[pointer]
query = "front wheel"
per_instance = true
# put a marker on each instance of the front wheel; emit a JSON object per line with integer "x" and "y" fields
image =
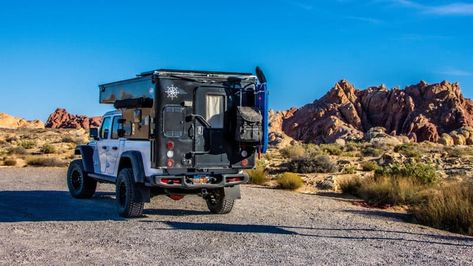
{"x": 218, "y": 203}
{"x": 80, "y": 185}
{"x": 128, "y": 202}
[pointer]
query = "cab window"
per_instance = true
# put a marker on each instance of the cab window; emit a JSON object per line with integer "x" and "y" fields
{"x": 105, "y": 129}
{"x": 115, "y": 126}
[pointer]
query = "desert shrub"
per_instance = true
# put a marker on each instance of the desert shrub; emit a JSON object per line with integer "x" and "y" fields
{"x": 312, "y": 150}
{"x": 48, "y": 149}
{"x": 17, "y": 150}
{"x": 349, "y": 169}
{"x": 9, "y": 162}
{"x": 331, "y": 149}
{"x": 350, "y": 185}
{"x": 257, "y": 175}
{"x": 289, "y": 181}
{"x": 449, "y": 208}
{"x": 48, "y": 162}
{"x": 28, "y": 144}
{"x": 371, "y": 151}
{"x": 369, "y": 166}
{"x": 408, "y": 150}
{"x": 319, "y": 164}
{"x": 383, "y": 190}
{"x": 459, "y": 151}
{"x": 421, "y": 173}
{"x": 68, "y": 139}
{"x": 352, "y": 147}
{"x": 293, "y": 152}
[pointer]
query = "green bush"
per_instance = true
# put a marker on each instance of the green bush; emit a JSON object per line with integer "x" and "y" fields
{"x": 408, "y": 150}
{"x": 351, "y": 185}
{"x": 289, "y": 181}
{"x": 47, "y": 162}
{"x": 28, "y": 144}
{"x": 48, "y": 149}
{"x": 17, "y": 150}
{"x": 372, "y": 152}
{"x": 293, "y": 152}
{"x": 257, "y": 176}
{"x": 319, "y": 164}
{"x": 349, "y": 169}
{"x": 449, "y": 208}
{"x": 331, "y": 149}
{"x": 369, "y": 166}
{"x": 424, "y": 174}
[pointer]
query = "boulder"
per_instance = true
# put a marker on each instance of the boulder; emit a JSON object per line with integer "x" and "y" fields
{"x": 62, "y": 119}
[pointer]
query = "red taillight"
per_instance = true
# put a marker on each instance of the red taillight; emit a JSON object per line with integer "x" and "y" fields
{"x": 170, "y": 145}
{"x": 170, "y": 163}
{"x": 244, "y": 162}
{"x": 171, "y": 181}
{"x": 234, "y": 179}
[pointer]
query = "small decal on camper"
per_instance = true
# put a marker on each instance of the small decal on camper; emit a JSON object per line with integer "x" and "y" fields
{"x": 172, "y": 92}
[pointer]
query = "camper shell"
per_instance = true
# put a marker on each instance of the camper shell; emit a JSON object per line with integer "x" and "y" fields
{"x": 174, "y": 133}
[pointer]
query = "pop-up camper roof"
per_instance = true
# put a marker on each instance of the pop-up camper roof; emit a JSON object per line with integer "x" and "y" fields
{"x": 142, "y": 86}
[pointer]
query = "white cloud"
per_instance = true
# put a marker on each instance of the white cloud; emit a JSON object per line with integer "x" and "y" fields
{"x": 455, "y": 72}
{"x": 456, "y": 8}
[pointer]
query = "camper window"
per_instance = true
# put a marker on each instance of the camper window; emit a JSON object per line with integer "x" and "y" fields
{"x": 215, "y": 110}
{"x": 115, "y": 127}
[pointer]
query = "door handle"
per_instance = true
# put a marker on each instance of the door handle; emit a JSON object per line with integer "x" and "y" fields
{"x": 114, "y": 148}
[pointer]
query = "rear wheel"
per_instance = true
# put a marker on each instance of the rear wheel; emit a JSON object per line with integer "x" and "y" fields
{"x": 80, "y": 185}
{"x": 128, "y": 202}
{"x": 218, "y": 203}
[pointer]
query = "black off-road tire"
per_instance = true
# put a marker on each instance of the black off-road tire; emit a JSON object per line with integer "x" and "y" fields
{"x": 126, "y": 193}
{"x": 80, "y": 185}
{"x": 218, "y": 204}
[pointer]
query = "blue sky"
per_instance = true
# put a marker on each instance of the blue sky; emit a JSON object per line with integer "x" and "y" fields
{"x": 55, "y": 53}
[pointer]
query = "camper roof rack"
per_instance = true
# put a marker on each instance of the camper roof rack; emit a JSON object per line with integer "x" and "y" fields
{"x": 192, "y": 72}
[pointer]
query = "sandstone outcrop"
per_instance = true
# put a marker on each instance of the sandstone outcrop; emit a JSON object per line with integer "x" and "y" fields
{"x": 421, "y": 112}
{"x": 11, "y": 122}
{"x": 62, "y": 119}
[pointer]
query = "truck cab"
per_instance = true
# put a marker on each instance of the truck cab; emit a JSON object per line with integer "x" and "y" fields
{"x": 175, "y": 133}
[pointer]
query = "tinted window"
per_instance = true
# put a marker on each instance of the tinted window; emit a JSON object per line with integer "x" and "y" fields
{"x": 105, "y": 128}
{"x": 115, "y": 127}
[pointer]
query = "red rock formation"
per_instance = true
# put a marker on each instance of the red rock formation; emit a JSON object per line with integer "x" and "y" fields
{"x": 62, "y": 119}
{"x": 420, "y": 111}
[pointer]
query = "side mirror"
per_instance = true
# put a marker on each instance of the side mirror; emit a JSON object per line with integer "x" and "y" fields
{"x": 94, "y": 133}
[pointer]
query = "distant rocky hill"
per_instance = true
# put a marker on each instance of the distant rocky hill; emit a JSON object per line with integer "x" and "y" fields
{"x": 62, "y": 119}
{"x": 11, "y": 122}
{"x": 437, "y": 113}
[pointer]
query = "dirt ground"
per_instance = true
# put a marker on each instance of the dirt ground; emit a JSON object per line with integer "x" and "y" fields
{"x": 41, "y": 224}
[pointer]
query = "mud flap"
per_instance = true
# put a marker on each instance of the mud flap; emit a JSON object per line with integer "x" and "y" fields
{"x": 232, "y": 193}
{"x": 142, "y": 193}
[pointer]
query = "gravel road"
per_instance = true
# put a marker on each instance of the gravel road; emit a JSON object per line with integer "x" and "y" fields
{"x": 41, "y": 224}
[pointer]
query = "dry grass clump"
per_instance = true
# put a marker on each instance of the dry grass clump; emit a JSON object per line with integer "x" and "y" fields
{"x": 48, "y": 149}
{"x": 17, "y": 150}
{"x": 459, "y": 152}
{"x": 408, "y": 150}
{"x": 372, "y": 151}
{"x": 349, "y": 169}
{"x": 257, "y": 175}
{"x": 319, "y": 164}
{"x": 28, "y": 144}
{"x": 369, "y": 166}
{"x": 331, "y": 149}
{"x": 293, "y": 152}
{"x": 289, "y": 181}
{"x": 421, "y": 173}
{"x": 449, "y": 207}
{"x": 45, "y": 162}
{"x": 9, "y": 162}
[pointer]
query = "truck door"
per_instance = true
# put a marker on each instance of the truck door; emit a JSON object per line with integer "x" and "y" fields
{"x": 113, "y": 151}
{"x": 102, "y": 144}
{"x": 210, "y": 107}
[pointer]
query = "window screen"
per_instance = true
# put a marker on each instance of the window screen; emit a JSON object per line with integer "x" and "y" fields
{"x": 214, "y": 110}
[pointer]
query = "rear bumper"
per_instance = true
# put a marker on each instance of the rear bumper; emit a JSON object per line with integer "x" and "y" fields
{"x": 185, "y": 182}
